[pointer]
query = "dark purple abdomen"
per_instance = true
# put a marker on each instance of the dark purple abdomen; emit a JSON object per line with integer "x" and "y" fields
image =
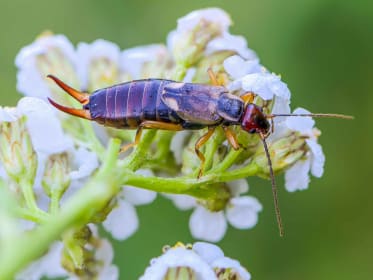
{"x": 127, "y": 105}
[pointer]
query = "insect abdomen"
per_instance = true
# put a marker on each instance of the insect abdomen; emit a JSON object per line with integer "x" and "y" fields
{"x": 127, "y": 105}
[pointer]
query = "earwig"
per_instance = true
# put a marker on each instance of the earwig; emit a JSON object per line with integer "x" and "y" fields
{"x": 170, "y": 105}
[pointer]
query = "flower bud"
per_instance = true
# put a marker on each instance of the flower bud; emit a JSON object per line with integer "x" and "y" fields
{"x": 180, "y": 273}
{"x": 98, "y": 64}
{"x": 48, "y": 54}
{"x": 16, "y": 152}
{"x": 194, "y": 32}
{"x": 215, "y": 63}
{"x": 56, "y": 177}
{"x": 284, "y": 152}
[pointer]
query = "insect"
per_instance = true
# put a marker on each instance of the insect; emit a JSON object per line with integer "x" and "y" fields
{"x": 170, "y": 105}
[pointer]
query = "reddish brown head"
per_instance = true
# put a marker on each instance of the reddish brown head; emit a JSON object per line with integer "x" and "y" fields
{"x": 254, "y": 120}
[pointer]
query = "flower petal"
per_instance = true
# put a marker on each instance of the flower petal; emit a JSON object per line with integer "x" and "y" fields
{"x": 99, "y": 49}
{"x": 44, "y": 127}
{"x": 30, "y": 80}
{"x": 238, "y": 187}
{"x": 228, "y": 263}
{"x": 182, "y": 201}
{"x": 215, "y": 15}
{"x": 302, "y": 124}
{"x": 177, "y": 144}
{"x": 132, "y": 60}
{"x": 178, "y": 257}
{"x": 243, "y": 212}
{"x": 266, "y": 85}
{"x": 47, "y": 266}
{"x": 318, "y": 158}
{"x": 209, "y": 252}
{"x": 122, "y": 221}
{"x": 237, "y": 67}
{"x": 105, "y": 254}
{"x": 8, "y": 114}
{"x": 296, "y": 177}
{"x": 230, "y": 42}
{"x": 206, "y": 225}
{"x": 86, "y": 162}
{"x": 138, "y": 196}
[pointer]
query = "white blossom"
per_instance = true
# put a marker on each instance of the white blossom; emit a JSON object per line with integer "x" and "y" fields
{"x": 203, "y": 260}
{"x": 241, "y": 212}
{"x": 213, "y": 255}
{"x": 297, "y": 176}
{"x": 30, "y": 79}
{"x": 123, "y": 221}
{"x": 47, "y": 266}
{"x": 229, "y": 42}
{"x": 85, "y": 162}
{"x": 104, "y": 256}
{"x": 177, "y": 144}
{"x": 44, "y": 127}
{"x": 178, "y": 257}
{"x": 237, "y": 67}
{"x": 132, "y": 60}
{"x": 215, "y": 15}
{"x": 100, "y": 50}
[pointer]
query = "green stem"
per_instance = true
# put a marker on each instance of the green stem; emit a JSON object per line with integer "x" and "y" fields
{"x": 29, "y": 196}
{"x": 211, "y": 149}
{"x": 26, "y": 214}
{"x": 139, "y": 155}
{"x": 94, "y": 144}
{"x": 227, "y": 162}
{"x": 77, "y": 211}
{"x": 246, "y": 171}
{"x": 54, "y": 202}
{"x": 198, "y": 188}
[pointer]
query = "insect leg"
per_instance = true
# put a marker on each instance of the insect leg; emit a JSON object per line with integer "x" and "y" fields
{"x": 150, "y": 124}
{"x": 200, "y": 142}
{"x": 231, "y": 137}
{"x": 213, "y": 77}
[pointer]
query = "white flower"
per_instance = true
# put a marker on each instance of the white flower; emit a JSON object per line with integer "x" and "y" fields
{"x": 229, "y": 42}
{"x": 178, "y": 143}
{"x": 102, "y": 51}
{"x": 266, "y": 85}
{"x": 44, "y": 127}
{"x": 203, "y": 261}
{"x": 46, "y": 133}
{"x": 237, "y": 67}
{"x": 47, "y": 266}
{"x": 250, "y": 76}
{"x": 241, "y": 212}
{"x": 132, "y": 60}
{"x": 215, "y": 15}
{"x": 213, "y": 255}
{"x": 122, "y": 221}
{"x": 85, "y": 162}
{"x": 104, "y": 257}
{"x": 178, "y": 258}
{"x": 297, "y": 177}
{"x": 31, "y": 79}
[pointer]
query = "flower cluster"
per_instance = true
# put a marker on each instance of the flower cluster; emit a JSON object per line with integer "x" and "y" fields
{"x": 49, "y": 160}
{"x": 198, "y": 261}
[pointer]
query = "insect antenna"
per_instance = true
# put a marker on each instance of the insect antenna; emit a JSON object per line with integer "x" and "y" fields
{"x": 338, "y": 116}
{"x": 274, "y": 186}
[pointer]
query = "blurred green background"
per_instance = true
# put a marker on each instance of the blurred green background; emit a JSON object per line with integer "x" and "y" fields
{"x": 323, "y": 50}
